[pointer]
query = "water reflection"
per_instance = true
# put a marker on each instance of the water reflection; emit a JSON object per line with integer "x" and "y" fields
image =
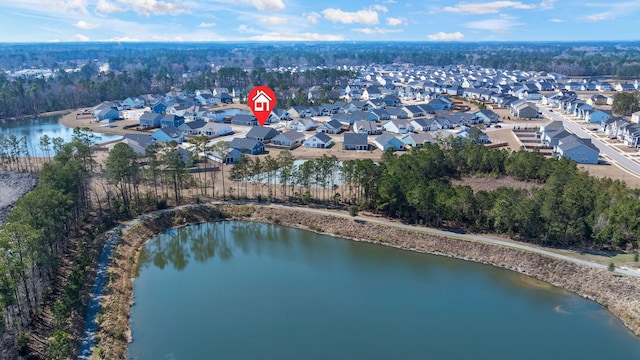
{"x": 177, "y": 247}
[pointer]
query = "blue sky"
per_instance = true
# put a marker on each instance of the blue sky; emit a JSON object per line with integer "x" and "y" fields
{"x": 274, "y": 20}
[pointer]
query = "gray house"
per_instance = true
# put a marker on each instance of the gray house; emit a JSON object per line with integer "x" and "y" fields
{"x": 262, "y": 133}
{"x": 355, "y": 142}
{"x": 289, "y": 139}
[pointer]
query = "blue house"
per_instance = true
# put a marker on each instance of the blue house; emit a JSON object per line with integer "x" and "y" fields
{"x": 150, "y": 120}
{"x": 388, "y": 141}
{"x": 440, "y": 104}
{"x": 159, "y": 107}
{"x": 171, "y": 120}
{"x": 168, "y": 134}
{"x": 580, "y": 150}
{"x": 247, "y": 146}
{"x": 417, "y": 140}
{"x": 487, "y": 116}
{"x": 596, "y": 116}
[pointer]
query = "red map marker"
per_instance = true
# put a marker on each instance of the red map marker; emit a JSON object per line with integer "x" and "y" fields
{"x": 261, "y": 100}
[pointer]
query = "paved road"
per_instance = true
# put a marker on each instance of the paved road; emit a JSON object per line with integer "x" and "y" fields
{"x": 470, "y": 237}
{"x": 605, "y": 149}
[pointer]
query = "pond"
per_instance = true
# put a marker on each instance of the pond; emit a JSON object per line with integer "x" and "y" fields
{"x": 243, "y": 290}
{"x": 35, "y": 128}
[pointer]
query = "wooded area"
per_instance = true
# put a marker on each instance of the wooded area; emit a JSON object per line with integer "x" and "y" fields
{"x": 138, "y": 69}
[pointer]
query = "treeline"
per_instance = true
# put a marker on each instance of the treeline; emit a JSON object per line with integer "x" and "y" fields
{"x": 562, "y": 207}
{"x": 32, "y": 241}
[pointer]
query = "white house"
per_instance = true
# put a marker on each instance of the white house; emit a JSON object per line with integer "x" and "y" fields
{"x": 398, "y": 126}
{"x": 319, "y": 141}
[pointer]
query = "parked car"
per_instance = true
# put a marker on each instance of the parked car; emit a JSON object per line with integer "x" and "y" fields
{"x": 498, "y": 126}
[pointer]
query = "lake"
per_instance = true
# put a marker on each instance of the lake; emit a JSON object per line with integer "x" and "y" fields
{"x": 35, "y": 128}
{"x": 236, "y": 290}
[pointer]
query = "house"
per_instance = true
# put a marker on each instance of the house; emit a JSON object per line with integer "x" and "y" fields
{"x": 366, "y": 127}
{"x": 106, "y": 112}
{"x": 391, "y": 100}
{"x": 319, "y": 141}
{"x": 171, "y": 121}
{"x": 279, "y": 114}
{"x": 225, "y": 98}
{"x": 524, "y": 110}
{"x": 150, "y": 120}
{"x": 215, "y": 129}
{"x": 380, "y": 114}
{"x": 138, "y": 142}
{"x": 261, "y": 101}
{"x": 168, "y": 134}
{"x": 580, "y": 150}
{"x": 596, "y": 116}
{"x": 597, "y": 99}
{"x": 330, "y": 127}
{"x": 247, "y": 146}
{"x": 192, "y": 127}
{"x": 417, "y": 140}
{"x": 430, "y": 124}
{"x": 441, "y": 103}
{"x": 398, "y": 126}
{"x": 302, "y": 124}
{"x": 289, "y": 139}
{"x": 355, "y": 142}
{"x": 206, "y": 99}
{"x": 262, "y": 133}
{"x": 159, "y": 107}
{"x": 487, "y": 116}
{"x": 635, "y": 117}
{"x": 414, "y": 111}
{"x": 231, "y": 157}
{"x": 630, "y": 135}
{"x": 388, "y": 141}
{"x": 244, "y": 119}
{"x": 397, "y": 113}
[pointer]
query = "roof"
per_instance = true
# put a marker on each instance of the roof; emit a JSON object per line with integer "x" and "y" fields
{"x": 171, "y": 131}
{"x": 242, "y": 143}
{"x": 356, "y": 139}
{"x": 293, "y": 135}
{"x": 571, "y": 141}
{"x": 334, "y": 124}
{"x": 322, "y": 137}
{"x": 150, "y": 116}
{"x": 262, "y": 132}
{"x": 143, "y": 140}
{"x": 387, "y": 138}
{"x": 420, "y": 138}
{"x": 194, "y": 124}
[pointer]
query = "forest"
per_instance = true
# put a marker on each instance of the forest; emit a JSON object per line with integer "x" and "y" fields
{"x": 144, "y": 68}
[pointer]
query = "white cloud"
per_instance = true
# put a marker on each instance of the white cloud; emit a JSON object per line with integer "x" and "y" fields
{"x": 273, "y": 20}
{"x": 396, "y": 21}
{"x": 123, "y": 39}
{"x": 376, "y": 30}
{"x": 600, "y": 17}
{"x": 487, "y": 8}
{"x": 85, "y": 25}
{"x": 53, "y": 41}
{"x": 380, "y": 8}
{"x": 442, "y": 36}
{"x": 297, "y": 37}
{"x": 80, "y": 37}
{"x": 247, "y": 30}
{"x": 107, "y": 7}
{"x": 389, "y": 1}
{"x": 614, "y": 10}
{"x": 269, "y": 5}
{"x": 313, "y": 17}
{"x": 499, "y": 26}
{"x": 70, "y": 5}
{"x": 148, "y": 7}
{"x": 547, "y": 4}
{"x": 556, "y": 20}
{"x": 205, "y": 25}
{"x": 368, "y": 17}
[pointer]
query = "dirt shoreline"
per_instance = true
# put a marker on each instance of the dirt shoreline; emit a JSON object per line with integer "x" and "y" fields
{"x": 44, "y": 114}
{"x": 619, "y": 294}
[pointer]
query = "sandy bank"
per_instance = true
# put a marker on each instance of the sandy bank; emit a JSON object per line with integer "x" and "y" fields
{"x": 12, "y": 186}
{"x": 619, "y": 294}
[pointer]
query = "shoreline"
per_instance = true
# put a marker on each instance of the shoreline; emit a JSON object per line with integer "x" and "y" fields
{"x": 619, "y": 294}
{"x": 44, "y": 114}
